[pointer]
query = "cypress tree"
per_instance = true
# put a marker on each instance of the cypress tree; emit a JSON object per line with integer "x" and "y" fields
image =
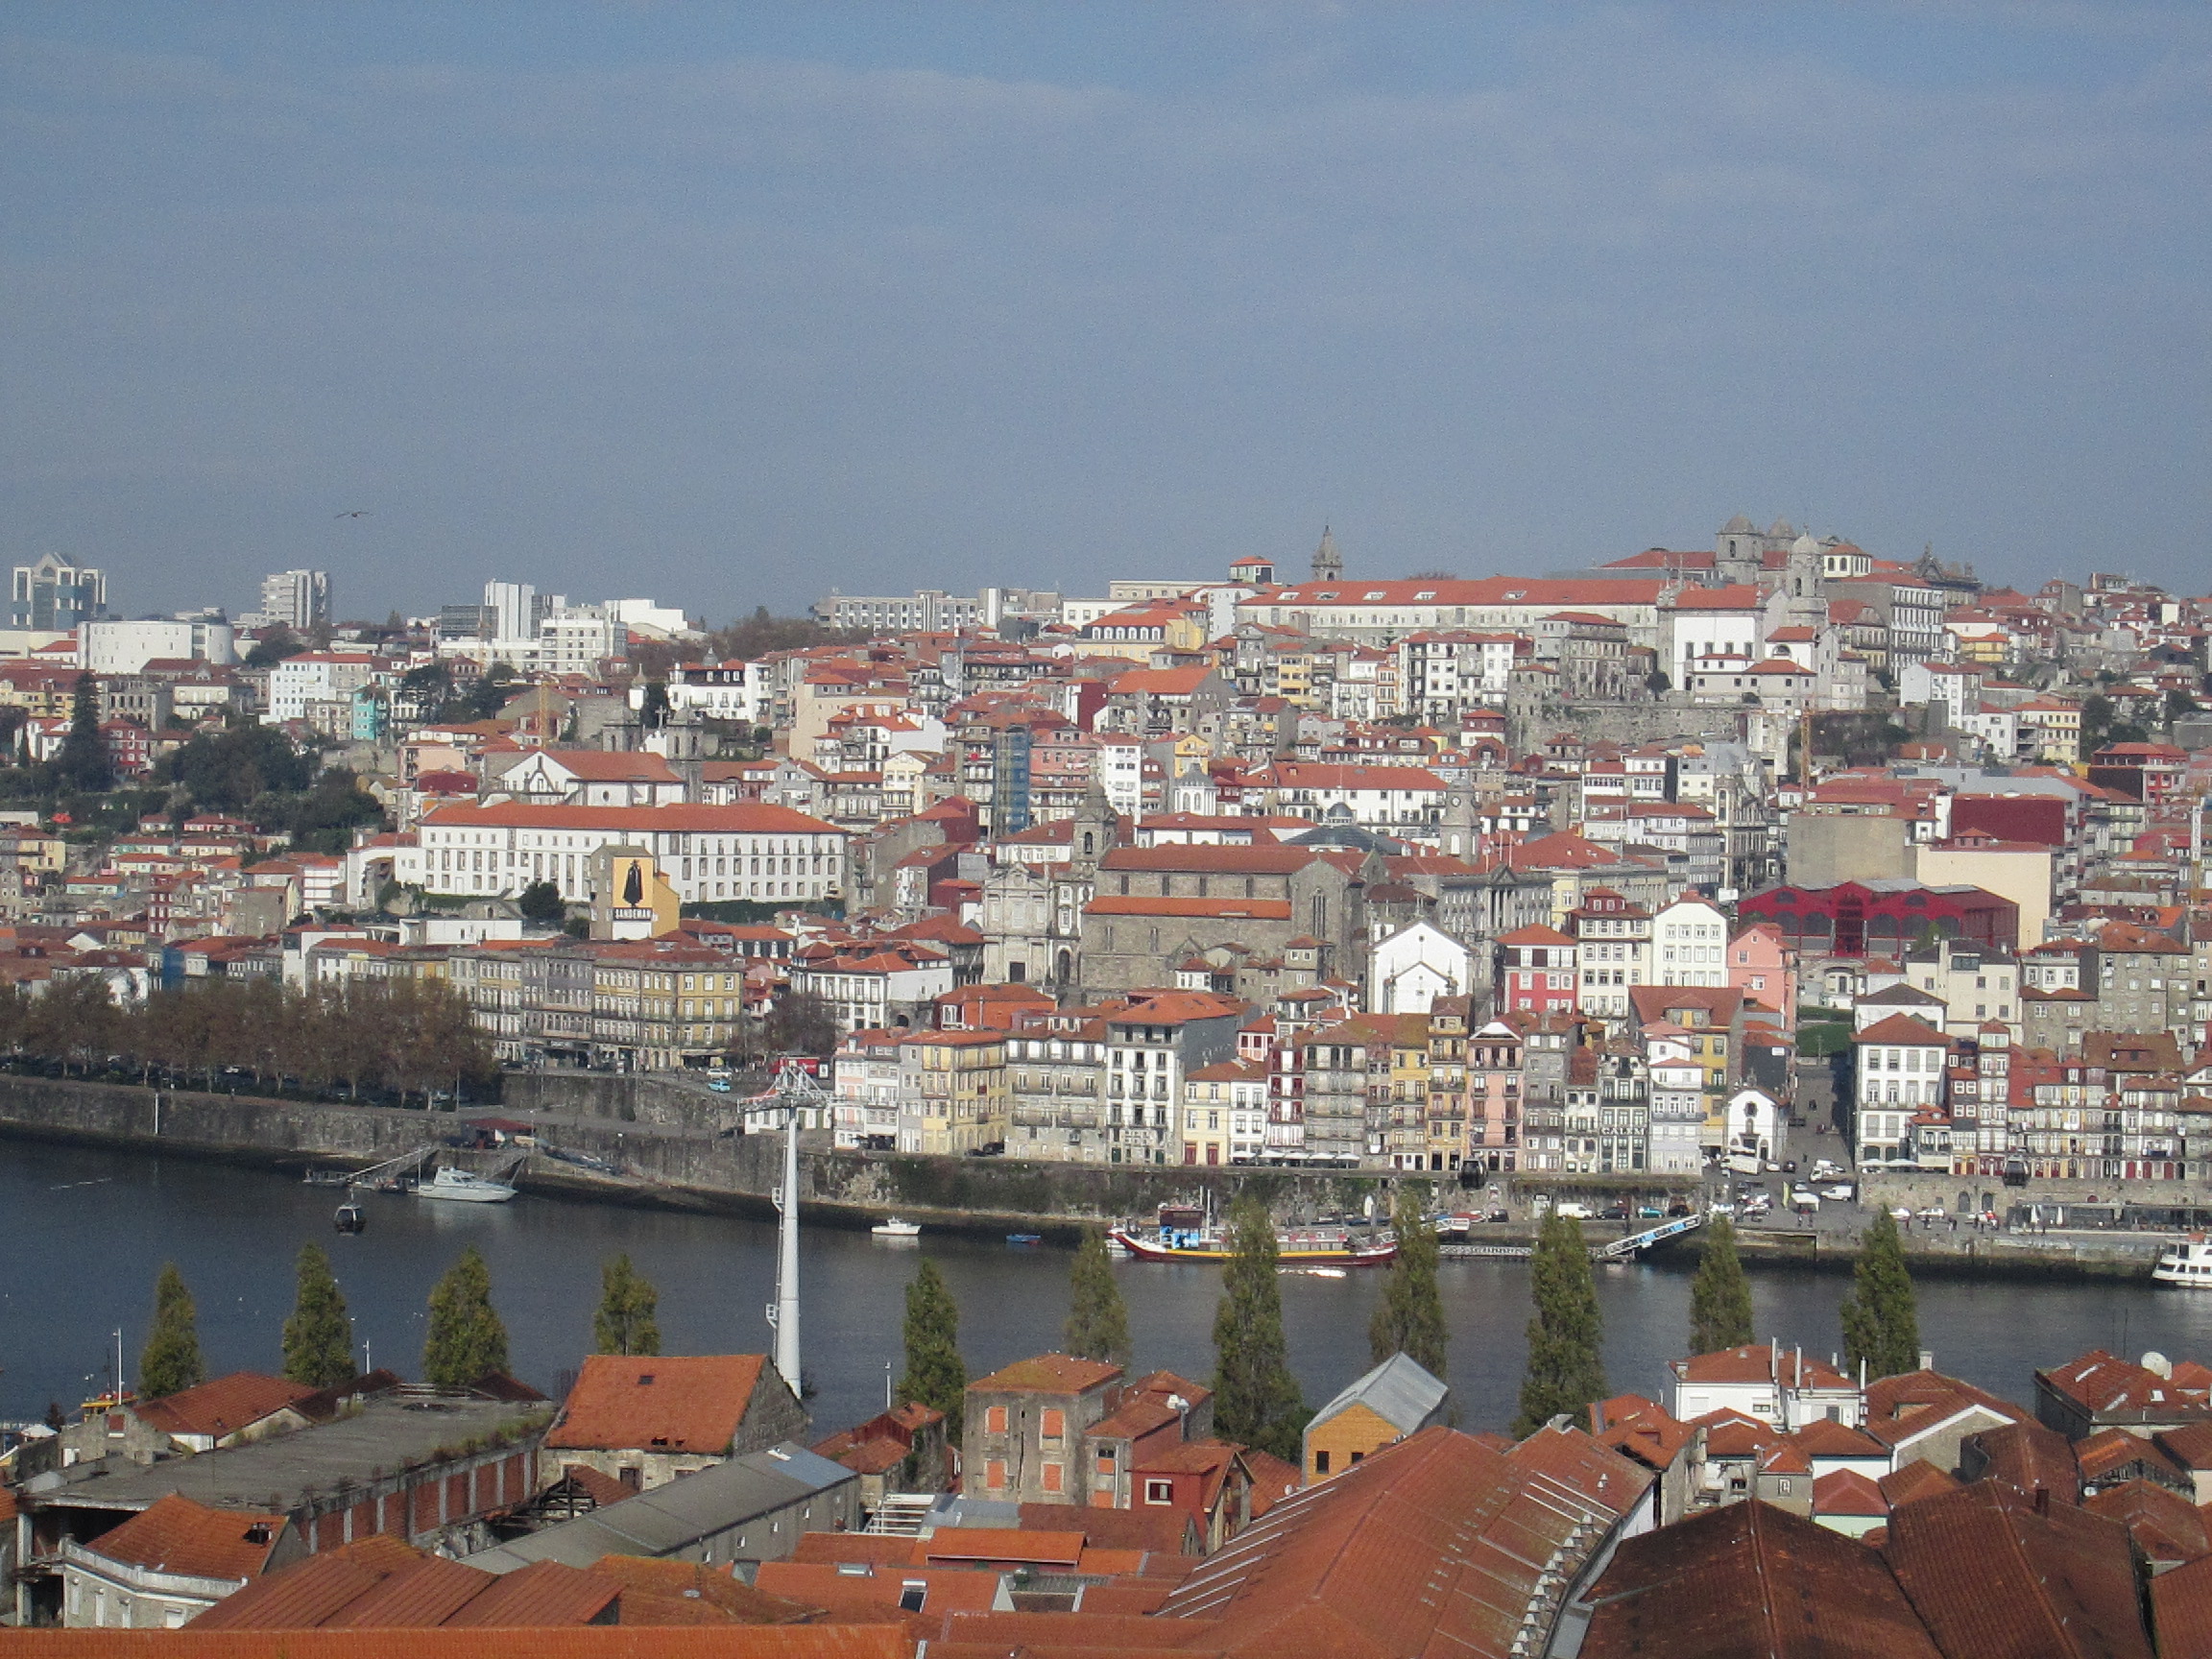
{"x": 1881, "y": 1324}
{"x": 935, "y": 1374}
{"x": 1256, "y": 1399}
{"x": 627, "y": 1305}
{"x": 318, "y": 1338}
{"x": 1719, "y": 1296}
{"x": 465, "y": 1340}
{"x": 1566, "y": 1373}
{"x": 170, "y": 1360}
{"x": 1098, "y": 1320}
{"x": 83, "y": 761}
{"x": 1410, "y": 1319}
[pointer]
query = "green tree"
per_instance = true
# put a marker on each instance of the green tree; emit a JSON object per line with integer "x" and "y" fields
{"x": 84, "y": 762}
{"x": 465, "y": 1340}
{"x": 653, "y": 708}
{"x": 318, "y": 1336}
{"x": 227, "y": 771}
{"x": 1719, "y": 1295}
{"x": 1881, "y": 1323}
{"x": 324, "y": 818}
{"x": 628, "y": 1303}
{"x": 1098, "y": 1320}
{"x": 274, "y": 646}
{"x": 1256, "y": 1399}
{"x": 935, "y": 1374}
{"x": 1410, "y": 1319}
{"x": 1566, "y": 1372}
{"x": 170, "y": 1360}
{"x": 541, "y": 901}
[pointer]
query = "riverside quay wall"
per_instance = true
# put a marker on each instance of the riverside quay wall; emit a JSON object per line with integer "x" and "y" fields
{"x": 667, "y": 1151}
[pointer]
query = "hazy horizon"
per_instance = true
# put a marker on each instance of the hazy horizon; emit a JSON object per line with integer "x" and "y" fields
{"x": 728, "y": 306}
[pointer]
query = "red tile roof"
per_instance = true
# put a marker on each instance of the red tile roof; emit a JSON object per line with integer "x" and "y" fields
{"x": 1848, "y": 1492}
{"x": 884, "y": 1640}
{"x": 222, "y": 1406}
{"x": 1751, "y": 1581}
{"x": 1992, "y": 1577}
{"x": 2165, "y": 1526}
{"x": 176, "y": 1535}
{"x": 680, "y": 1404}
{"x": 1047, "y": 1374}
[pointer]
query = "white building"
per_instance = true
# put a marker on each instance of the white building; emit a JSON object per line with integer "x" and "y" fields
{"x": 316, "y": 677}
{"x": 298, "y": 599}
{"x": 1677, "y": 1113}
{"x": 730, "y": 690}
{"x": 707, "y": 853}
{"x": 1690, "y": 943}
{"x": 1409, "y": 971}
{"x": 514, "y": 609}
{"x": 1121, "y": 772}
{"x": 867, "y": 1089}
{"x": 660, "y": 621}
{"x": 119, "y": 647}
{"x": 1900, "y": 1067}
{"x": 1787, "y": 1387}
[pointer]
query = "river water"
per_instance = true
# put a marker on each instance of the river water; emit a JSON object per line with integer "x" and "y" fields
{"x": 84, "y": 1233}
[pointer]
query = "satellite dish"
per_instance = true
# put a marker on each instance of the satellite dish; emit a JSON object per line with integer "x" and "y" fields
{"x": 2158, "y": 1364}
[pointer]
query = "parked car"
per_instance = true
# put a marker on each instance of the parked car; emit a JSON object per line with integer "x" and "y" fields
{"x": 1650, "y": 1213}
{"x": 1614, "y": 1213}
{"x": 718, "y": 1085}
{"x": 1934, "y": 1213}
{"x": 1902, "y": 1212}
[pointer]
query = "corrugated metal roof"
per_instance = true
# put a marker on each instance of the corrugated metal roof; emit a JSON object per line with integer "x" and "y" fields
{"x": 678, "y": 1515}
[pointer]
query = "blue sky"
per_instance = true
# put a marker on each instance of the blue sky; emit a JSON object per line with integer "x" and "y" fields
{"x": 726, "y": 305}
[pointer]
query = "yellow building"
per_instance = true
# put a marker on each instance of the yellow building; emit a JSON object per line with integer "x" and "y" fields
{"x": 1395, "y": 1400}
{"x": 952, "y": 1091}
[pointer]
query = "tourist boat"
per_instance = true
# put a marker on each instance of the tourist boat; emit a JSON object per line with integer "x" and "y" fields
{"x": 1294, "y": 1247}
{"x": 466, "y": 1187}
{"x": 891, "y": 1227}
{"x": 2188, "y": 1262}
{"x": 351, "y": 1217}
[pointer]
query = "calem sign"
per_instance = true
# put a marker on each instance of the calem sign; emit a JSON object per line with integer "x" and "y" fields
{"x": 811, "y": 1064}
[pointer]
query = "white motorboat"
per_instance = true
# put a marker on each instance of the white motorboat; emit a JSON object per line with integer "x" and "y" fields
{"x": 2188, "y": 1262}
{"x": 464, "y": 1186}
{"x": 891, "y": 1227}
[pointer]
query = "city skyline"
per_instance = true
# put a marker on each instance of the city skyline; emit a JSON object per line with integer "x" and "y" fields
{"x": 1001, "y": 296}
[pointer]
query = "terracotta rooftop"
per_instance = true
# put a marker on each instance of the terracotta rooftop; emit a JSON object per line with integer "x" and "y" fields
{"x": 176, "y": 1535}
{"x": 687, "y": 1403}
{"x": 884, "y": 1640}
{"x": 1752, "y": 1580}
{"x": 1848, "y": 1492}
{"x": 1047, "y": 1374}
{"x": 222, "y": 1406}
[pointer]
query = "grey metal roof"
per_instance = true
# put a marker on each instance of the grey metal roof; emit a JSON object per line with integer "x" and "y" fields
{"x": 1399, "y": 1391}
{"x": 387, "y": 1433}
{"x": 687, "y": 1511}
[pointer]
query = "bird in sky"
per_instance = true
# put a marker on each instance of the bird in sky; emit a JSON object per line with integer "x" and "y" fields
{"x": 363, "y": 512}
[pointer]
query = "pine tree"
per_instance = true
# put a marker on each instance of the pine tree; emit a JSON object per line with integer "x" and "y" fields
{"x": 1098, "y": 1320}
{"x": 1719, "y": 1296}
{"x": 935, "y": 1374}
{"x": 466, "y": 1339}
{"x": 170, "y": 1360}
{"x": 628, "y": 1304}
{"x": 1881, "y": 1324}
{"x": 1566, "y": 1372}
{"x": 1410, "y": 1319}
{"x": 318, "y": 1338}
{"x": 1256, "y": 1399}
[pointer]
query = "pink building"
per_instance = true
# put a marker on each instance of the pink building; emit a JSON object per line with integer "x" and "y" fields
{"x": 1763, "y": 966}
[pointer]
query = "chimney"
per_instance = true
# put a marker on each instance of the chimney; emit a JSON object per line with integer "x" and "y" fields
{"x": 2042, "y": 1500}
{"x": 1927, "y": 1358}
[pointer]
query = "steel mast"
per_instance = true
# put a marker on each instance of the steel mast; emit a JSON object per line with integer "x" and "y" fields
{"x": 798, "y": 1093}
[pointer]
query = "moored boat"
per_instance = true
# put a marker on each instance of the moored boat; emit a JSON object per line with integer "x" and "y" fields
{"x": 2188, "y": 1262}
{"x": 1293, "y": 1246}
{"x": 892, "y": 1227}
{"x": 466, "y": 1187}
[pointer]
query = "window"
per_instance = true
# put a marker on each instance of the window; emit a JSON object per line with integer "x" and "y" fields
{"x": 1053, "y": 1424}
{"x": 1320, "y": 1462}
{"x": 994, "y": 1474}
{"x": 1164, "y": 1491}
{"x": 995, "y": 1420}
{"x": 912, "y": 1593}
{"x": 1055, "y": 1477}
